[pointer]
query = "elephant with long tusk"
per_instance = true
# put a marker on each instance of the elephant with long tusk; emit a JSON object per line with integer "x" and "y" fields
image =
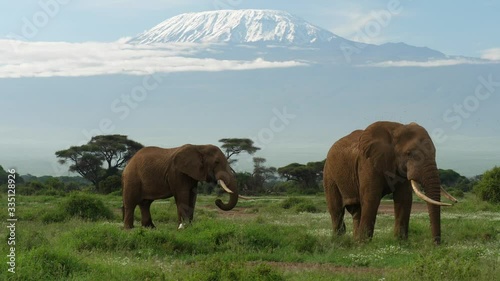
{"x": 386, "y": 157}
{"x": 157, "y": 173}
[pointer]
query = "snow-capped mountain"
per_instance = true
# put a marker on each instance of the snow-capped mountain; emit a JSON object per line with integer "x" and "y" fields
{"x": 273, "y": 35}
{"x": 236, "y": 26}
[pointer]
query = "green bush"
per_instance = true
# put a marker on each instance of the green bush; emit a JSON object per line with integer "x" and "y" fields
{"x": 306, "y": 207}
{"x": 289, "y": 187}
{"x": 55, "y": 215}
{"x": 457, "y": 193}
{"x": 488, "y": 188}
{"x": 51, "y": 192}
{"x": 300, "y": 205}
{"x": 46, "y": 263}
{"x": 305, "y": 243}
{"x": 291, "y": 202}
{"x": 110, "y": 184}
{"x": 25, "y": 190}
{"x": 86, "y": 206}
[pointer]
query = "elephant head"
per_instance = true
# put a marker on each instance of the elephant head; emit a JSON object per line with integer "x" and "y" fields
{"x": 405, "y": 153}
{"x": 208, "y": 163}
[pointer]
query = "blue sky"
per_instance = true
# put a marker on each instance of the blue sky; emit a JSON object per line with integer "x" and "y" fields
{"x": 466, "y": 28}
{"x": 59, "y": 86}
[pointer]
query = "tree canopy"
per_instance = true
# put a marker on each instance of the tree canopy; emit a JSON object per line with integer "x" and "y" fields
{"x": 307, "y": 175}
{"x": 234, "y": 146}
{"x": 450, "y": 178}
{"x": 4, "y": 176}
{"x": 101, "y": 157}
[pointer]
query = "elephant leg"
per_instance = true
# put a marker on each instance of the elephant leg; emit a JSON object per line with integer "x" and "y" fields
{"x": 146, "y": 220}
{"x": 402, "y": 209}
{"x": 367, "y": 221}
{"x": 335, "y": 208}
{"x": 355, "y": 211}
{"x": 192, "y": 203}
{"x": 184, "y": 209}
{"x": 128, "y": 216}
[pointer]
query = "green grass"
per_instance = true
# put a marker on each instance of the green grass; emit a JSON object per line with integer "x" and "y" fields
{"x": 260, "y": 240}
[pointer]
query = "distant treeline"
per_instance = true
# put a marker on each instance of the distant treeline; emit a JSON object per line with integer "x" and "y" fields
{"x": 100, "y": 162}
{"x": 292, "y": 179}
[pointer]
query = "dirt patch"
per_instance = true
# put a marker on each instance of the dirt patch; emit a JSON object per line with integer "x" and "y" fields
{"x": 238, "y": 212}
{"x": 388, "y": 208}
{"x": 248, "y": 212}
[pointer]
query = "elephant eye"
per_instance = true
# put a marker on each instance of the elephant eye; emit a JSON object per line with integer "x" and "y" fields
{"x": 408, "y": 153}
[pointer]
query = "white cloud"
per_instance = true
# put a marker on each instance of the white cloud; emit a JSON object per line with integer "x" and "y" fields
{"x": 491, "y": 54}
{"x": 430, "y": 63}
{"x": 48, "y": 59}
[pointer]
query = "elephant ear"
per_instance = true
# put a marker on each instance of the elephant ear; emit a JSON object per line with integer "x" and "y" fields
{"x": 190, "y": 161}
{"x": 376, "y": 144}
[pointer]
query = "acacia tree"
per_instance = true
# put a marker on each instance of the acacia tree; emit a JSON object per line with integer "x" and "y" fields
{"x": 89, "y": 159}
{"x": 307, "y": 175}
{"x": 234, "y": 146}
{"x": 115, "y": 150}
{"x": 262, "y": 174}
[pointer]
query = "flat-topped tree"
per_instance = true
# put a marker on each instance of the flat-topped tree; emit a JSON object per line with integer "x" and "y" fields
{"x": 234, "y": 146}
{"x": 89, "y": 160}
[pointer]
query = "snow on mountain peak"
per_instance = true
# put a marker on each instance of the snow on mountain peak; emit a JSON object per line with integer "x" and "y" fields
{"x": 235, "y": 26}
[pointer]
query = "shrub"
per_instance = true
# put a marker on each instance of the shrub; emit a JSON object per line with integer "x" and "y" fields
{"x": 299, "y": 204}
{"x": 56, "y": 215}
{"x": 306, "y": 207}
{"x": 488, "y": 188}
{"x": 51, "y": 192}
{"x": 290, "y": 187}
{"x": 457, "y": 193}
{"x": 110, "y": 184}
{"x": 305, "y": 243}
{"x": 49, "y": 264}
{"x": 291, "y": 202}
{"x": 86, "y": 206}
{"x": 25, "y": 190}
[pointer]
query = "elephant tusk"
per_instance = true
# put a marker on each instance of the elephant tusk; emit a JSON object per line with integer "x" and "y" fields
{"x": 422, "y": 196}
{"x": 244, "y": 197}
{"x": 223, "y": 185}
{"x": 447, "y": 195}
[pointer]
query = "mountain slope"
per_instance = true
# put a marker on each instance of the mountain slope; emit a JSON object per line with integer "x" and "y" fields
{"x": 236, "y": 26}
{"x": 274, "y": 35}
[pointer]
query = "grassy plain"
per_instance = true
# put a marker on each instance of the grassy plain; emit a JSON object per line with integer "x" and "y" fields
{"x": 269, "y": 238}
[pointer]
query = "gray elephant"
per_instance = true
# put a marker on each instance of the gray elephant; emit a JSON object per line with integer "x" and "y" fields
{"x": 386, "y": 157}
{"x": 157, "y": 173}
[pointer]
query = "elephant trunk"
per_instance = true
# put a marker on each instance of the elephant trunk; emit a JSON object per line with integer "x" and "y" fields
{"x": 432, "y": 188}
{"x": 233, "y": 199}
{"x": 228, "y": 183}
